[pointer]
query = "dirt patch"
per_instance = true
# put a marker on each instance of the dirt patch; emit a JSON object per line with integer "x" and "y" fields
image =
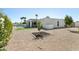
{"x": 54, "y": 40}
{"x": 40, "y": 35}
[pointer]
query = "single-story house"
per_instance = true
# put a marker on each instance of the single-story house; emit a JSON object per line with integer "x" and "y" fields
{"x": 47, "y": 22}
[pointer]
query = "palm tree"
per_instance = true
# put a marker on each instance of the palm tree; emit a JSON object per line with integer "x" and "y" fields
{"x": 36, "y": 18}
{"x": 23, "y": 18}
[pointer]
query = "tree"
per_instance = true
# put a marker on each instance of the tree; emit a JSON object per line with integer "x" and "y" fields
{"x": 36, "y": 18}
{"x": 6, "y": 27}
{"x": 68, "y": 21}
{"x": 24, "y": 22}
{"x": 24, "y": 19}
{"x": 36, "y": 15}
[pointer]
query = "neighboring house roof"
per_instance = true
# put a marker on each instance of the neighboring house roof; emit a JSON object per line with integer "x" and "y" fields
{"x": 32, "y": 19}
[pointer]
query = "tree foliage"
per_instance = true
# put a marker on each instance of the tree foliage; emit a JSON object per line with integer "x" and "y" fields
{"x": 24, "y": 20}
{"x": 68, "y": 20}
{"x": 5, "y": 29}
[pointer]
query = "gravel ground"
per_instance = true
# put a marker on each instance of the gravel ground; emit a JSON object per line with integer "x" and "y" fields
{"x": 59, "y": 40}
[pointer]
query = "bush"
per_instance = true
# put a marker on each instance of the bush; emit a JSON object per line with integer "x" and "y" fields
{"x": 5, "y": 30}
{"x": 2, "y": 49}
{"x": 39, "y": 25}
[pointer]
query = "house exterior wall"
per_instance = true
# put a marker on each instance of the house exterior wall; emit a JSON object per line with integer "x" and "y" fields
{"x": 30, "y": 25}
{"x": 48, "y": 22}
{"x": 53, "y": 22}
{"x": 77, "y": 24}
{"x": 61, "y": 23}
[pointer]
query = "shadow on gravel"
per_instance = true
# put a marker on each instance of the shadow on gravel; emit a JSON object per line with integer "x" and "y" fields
{"x": 40, "y": 35}
{"x": 74, "y": 32}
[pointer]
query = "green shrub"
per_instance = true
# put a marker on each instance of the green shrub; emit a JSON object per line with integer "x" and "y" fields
{"x": 5, "y": 30}
{"x": 39, "y": 25}
{"x": 2, "y": 49}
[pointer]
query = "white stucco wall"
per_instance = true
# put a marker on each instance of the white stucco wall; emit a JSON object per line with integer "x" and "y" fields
{"x": 52, "y": 22}
{"x": 48, "y": 22}
{"x": 30, "y": 23}
{"x": 61, "y": 23}
{"x": 77, "y": 24}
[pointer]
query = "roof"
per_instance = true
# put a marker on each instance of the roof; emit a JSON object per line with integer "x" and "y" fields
{"x": 47, "y": 17}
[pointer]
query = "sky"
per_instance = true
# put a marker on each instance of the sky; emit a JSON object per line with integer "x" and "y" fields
{"x": 15, "y": 13}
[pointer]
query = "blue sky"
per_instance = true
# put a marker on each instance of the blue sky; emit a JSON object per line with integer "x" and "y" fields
{"x": 15, "y": 13}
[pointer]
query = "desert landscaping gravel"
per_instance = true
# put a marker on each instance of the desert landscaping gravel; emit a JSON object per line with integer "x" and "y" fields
{"x": 58, "y": 40}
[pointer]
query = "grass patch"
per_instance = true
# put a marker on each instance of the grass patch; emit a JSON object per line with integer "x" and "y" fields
{"x": 23, "y": 28}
